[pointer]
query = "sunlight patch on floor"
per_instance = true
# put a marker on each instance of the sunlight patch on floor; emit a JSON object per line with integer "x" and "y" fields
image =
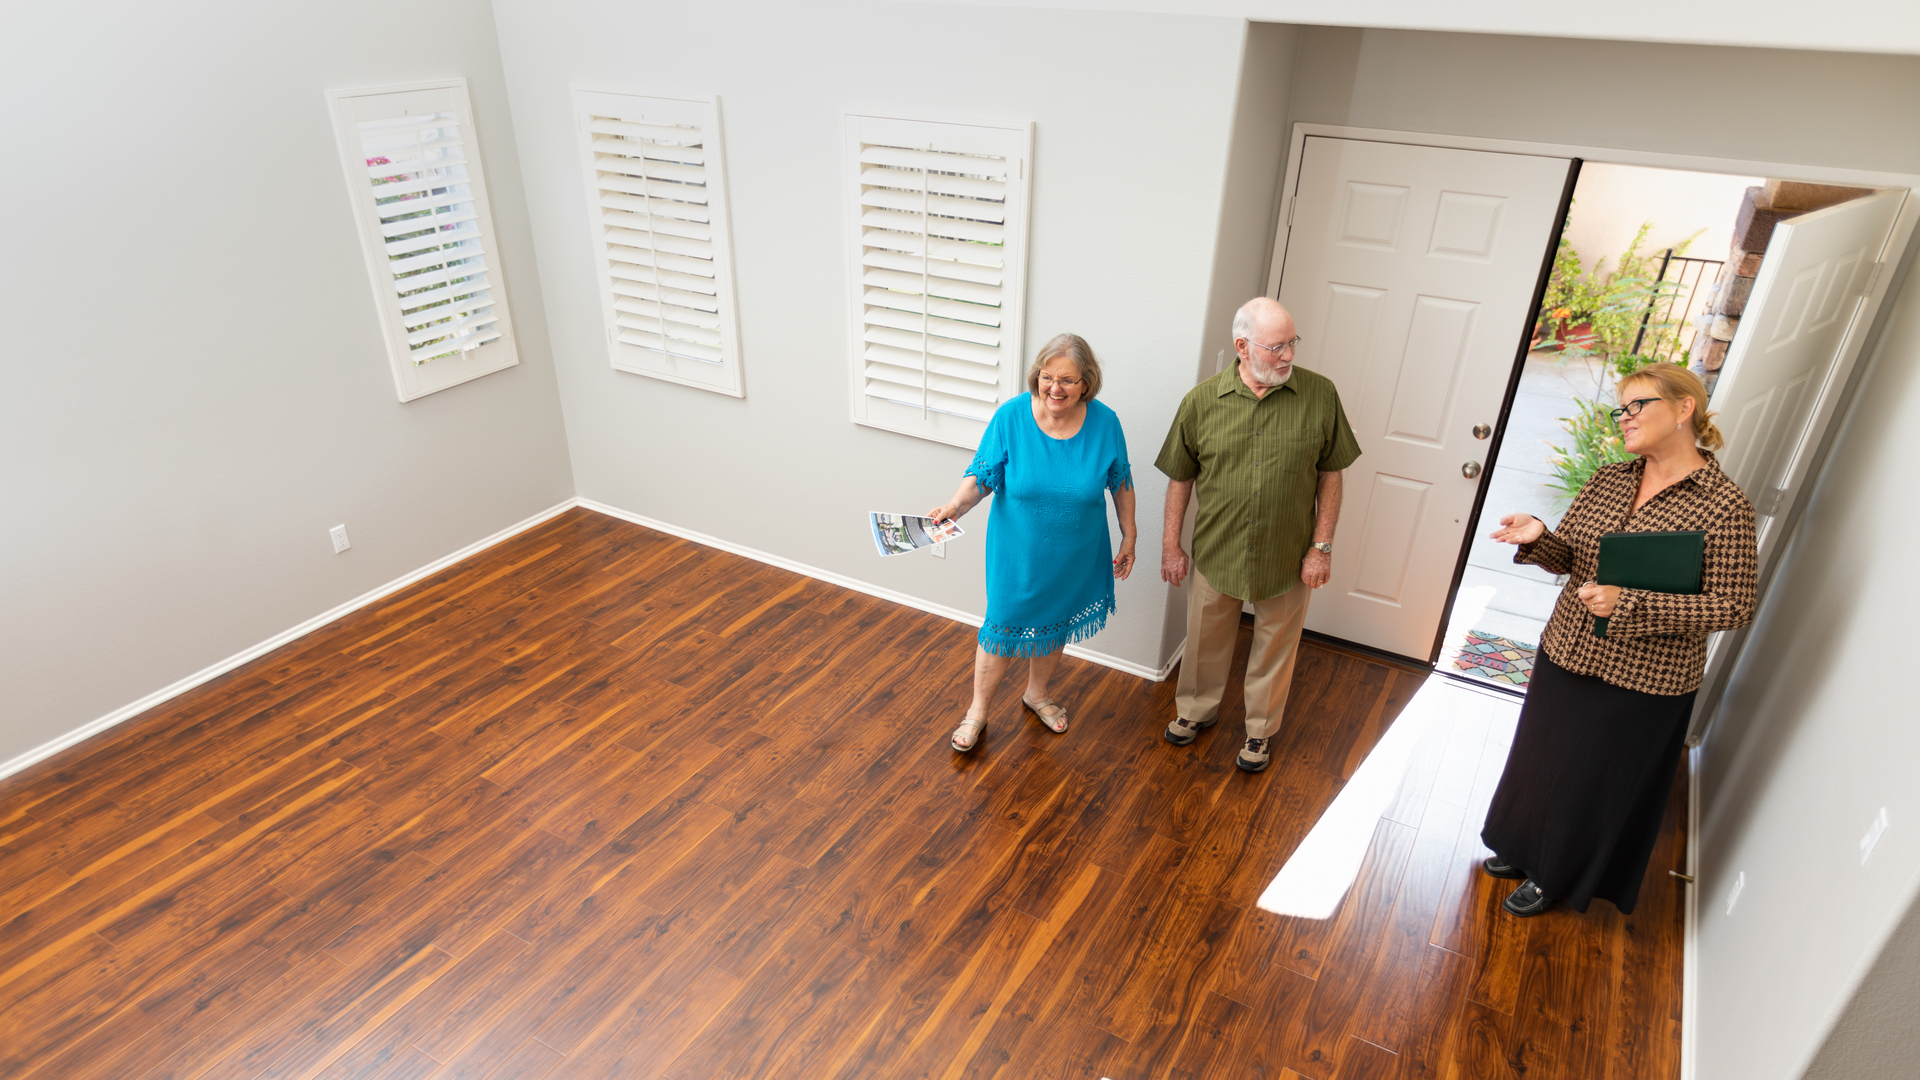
{"x": 1318, "y": 874}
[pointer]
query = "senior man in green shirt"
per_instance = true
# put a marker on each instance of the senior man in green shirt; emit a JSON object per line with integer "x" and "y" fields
{"x": 1265, "y": 443}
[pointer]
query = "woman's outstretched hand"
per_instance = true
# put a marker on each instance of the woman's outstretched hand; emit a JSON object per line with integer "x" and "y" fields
{"x": 1519, "y": 529}
{"x": 1123, "y": 562}
{"x": 945, "y": 513}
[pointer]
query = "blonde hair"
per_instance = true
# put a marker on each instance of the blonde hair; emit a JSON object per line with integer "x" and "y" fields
{"x": 1676, "y": 382}
{"x": 1075, "y": 348}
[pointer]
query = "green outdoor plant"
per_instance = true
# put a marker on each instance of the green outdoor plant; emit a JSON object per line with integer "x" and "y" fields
{"x": 1590, "y": 316}
{"x": 1596, "y": 443}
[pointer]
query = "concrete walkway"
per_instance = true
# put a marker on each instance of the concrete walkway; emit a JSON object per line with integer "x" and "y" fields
{"x": 1498, "y": 596}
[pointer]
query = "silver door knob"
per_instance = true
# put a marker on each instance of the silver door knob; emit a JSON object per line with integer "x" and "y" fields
{"x": 1481, "y": 431}
{"x": 1470, "y": 470}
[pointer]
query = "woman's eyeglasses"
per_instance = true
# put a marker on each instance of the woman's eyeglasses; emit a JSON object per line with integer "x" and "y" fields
{"x": 1631, "y": 408}
{"x": 1065, "y": 382}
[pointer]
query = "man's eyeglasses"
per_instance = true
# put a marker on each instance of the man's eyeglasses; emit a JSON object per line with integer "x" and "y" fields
{"x": 1631, "y": 408}
{"x": 1282, "y": 349}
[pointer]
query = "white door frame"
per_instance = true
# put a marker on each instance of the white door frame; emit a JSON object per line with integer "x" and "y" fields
{"x": 1810, "y": 456}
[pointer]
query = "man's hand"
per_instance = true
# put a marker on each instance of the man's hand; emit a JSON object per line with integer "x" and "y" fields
{"x": 1316, "y": 569}
{"x": 1174, "y": 564}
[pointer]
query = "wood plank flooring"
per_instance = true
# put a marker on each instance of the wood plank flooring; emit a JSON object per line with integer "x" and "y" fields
{"x": 599, "y": 802}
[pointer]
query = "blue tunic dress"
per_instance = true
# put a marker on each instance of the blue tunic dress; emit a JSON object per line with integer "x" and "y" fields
{"x": 1049, "y": 556}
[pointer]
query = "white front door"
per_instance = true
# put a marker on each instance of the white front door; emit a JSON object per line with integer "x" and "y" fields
{"x": 1410, "y": 272}
{"x": 1782, "y": 373}
{"x": 1811, "y": 282}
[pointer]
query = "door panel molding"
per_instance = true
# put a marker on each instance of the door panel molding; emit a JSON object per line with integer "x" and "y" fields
{"x": 1440, "y": 330}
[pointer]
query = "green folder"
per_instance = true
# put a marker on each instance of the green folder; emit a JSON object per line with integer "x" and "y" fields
{"x": 1666, "y": 562}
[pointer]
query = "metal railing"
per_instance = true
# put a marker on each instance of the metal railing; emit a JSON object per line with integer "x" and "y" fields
{"x": 1678, "y": 288}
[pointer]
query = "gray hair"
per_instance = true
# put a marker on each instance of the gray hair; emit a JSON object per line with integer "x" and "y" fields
{"x": 1250, "y": 311}
{"x": 1243, "y": 323}
{"x": 1075, "y": 348}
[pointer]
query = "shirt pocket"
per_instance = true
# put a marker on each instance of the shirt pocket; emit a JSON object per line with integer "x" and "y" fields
{"x": 1290, "y": 452}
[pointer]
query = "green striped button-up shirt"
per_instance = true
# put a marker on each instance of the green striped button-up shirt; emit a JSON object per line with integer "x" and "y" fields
{"x": 1257, "y": 462}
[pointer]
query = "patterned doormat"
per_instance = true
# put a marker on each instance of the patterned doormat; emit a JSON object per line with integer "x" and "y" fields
{"x": 1496, "y": 659}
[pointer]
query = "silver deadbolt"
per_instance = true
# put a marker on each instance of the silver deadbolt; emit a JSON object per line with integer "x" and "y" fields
{"x": 1470, "y": 470}
{"x": 1481, "y": 431}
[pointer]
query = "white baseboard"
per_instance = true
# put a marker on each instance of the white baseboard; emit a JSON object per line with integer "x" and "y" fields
{"x": 1128, "y": 666}
{"x": 1078, "y": 651}
{"x": 126, "y": 712}
{"x": 1690, "y": 936}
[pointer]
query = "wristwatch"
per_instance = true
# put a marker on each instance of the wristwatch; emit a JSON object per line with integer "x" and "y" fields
{"x": 1323, "y": 547}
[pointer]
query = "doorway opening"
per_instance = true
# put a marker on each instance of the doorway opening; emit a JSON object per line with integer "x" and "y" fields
{"x": 1651, "y": 265}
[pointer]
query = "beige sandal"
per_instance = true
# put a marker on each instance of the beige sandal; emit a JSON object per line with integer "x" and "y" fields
{"x": 1056, "y": 720}
{"x": 972, "y": 729}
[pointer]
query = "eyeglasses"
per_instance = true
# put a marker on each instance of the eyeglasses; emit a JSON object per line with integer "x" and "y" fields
{"x": 1065, "y": 382}
{"x": 1631, "y": 408}
{"x": 1279, "y": 350}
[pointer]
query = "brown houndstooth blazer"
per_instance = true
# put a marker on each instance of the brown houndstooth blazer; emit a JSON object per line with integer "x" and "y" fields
{"x": 1656, "y": 642}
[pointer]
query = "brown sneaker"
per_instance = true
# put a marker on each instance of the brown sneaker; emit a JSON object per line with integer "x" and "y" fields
{"x": 1254, "y": 756}
{"x": 1183, "y": 731}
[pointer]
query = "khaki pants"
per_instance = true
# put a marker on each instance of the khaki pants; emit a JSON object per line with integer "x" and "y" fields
{"x": 1213, "y": 623}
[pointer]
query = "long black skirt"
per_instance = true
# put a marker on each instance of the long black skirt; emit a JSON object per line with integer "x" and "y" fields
{"x": 1586, "y": 785}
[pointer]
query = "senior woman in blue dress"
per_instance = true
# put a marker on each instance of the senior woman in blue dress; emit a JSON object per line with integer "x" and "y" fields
{"x": 1050, "y": 456}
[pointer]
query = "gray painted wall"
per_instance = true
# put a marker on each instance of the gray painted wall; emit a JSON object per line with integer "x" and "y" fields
{"x": 194, "y": 386}
{"x": 1871, "y": 26}
{"x": 1134, "y": 115}
{"x": 1823, "y": 109}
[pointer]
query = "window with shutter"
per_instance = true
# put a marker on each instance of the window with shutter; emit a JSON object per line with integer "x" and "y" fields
{"x": 413, "y": 174}
{"x": 939, "y": 228}
{"x": 657, "y": 209}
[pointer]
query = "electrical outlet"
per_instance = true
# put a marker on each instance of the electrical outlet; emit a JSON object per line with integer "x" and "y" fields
{"x": 339, "y": 536}
{"x": 940, "y": 550}
{"x": 1739, "y": 886}
{"x": 1874, "y": 832}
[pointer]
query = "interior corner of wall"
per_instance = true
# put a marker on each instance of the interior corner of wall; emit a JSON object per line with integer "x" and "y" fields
{"x": 1173, "y": 629}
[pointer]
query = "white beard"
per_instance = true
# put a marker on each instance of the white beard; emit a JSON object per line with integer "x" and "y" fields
{"x": 1267, "y": 375}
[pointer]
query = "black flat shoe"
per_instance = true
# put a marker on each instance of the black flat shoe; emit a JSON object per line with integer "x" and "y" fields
{"x": 1526, "y": 901}
{"x": 1496, "y": 868}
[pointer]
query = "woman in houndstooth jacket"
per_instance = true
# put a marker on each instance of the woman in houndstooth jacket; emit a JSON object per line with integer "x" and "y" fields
{"x": 1579, "y": 806}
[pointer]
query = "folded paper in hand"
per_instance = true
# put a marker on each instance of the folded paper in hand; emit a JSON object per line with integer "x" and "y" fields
{"x": 897, "y": 534}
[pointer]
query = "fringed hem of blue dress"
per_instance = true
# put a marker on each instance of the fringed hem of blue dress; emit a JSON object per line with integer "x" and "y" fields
{"x": 1046, "y": 640}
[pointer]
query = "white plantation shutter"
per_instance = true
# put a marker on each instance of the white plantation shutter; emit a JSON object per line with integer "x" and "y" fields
{"x": 657, "y": 213}
{"x": 413, "y": 173}
{"x": 939, "y": 224}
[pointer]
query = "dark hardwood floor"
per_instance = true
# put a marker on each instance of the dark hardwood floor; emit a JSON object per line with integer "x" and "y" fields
{"x": 600, "y": 802}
